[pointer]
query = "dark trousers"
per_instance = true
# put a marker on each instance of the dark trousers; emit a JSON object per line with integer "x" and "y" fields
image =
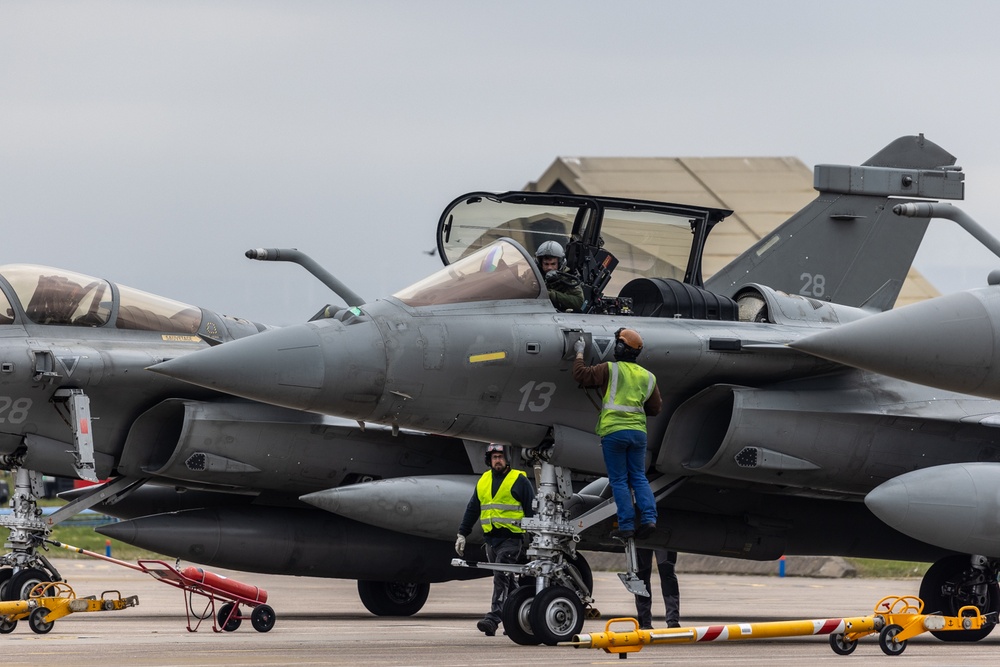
{"x": 665, "y": 562}
{"x": 502, "y": 551}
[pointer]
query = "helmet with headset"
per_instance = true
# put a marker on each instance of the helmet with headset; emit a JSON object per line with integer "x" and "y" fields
{"x": 628, "y": 344}
{"x": 493, "y": 448}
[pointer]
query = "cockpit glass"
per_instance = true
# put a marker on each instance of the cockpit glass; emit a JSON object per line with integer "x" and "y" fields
{"x": 148, "y": 312}
{"x": 498, "y": 271}
{"x": 479, "y": 221}
{"x": 6, "y": 312}
{"x": 56, "y": 296}
{"x": 647, "y": 244}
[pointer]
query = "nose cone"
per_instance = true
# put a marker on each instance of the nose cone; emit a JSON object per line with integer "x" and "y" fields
{"x": 950, "y": 342}
{"x": 320, "y": 366}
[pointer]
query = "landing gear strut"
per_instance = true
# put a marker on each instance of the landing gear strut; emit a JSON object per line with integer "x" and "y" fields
{"x": 23, "y": 567}
{"x": 956, "y": 581}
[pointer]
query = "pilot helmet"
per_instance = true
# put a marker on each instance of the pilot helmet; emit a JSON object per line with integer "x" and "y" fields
{"x": 551, "y": 249}
{"x": 492, "y": 448}
{"x": 628, "y": 344}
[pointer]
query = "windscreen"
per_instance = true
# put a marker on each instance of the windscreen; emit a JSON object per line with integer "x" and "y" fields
{"x": 498, "y": 271}
{"x": 479, "y": 221}
{"x": 148, "y": 312}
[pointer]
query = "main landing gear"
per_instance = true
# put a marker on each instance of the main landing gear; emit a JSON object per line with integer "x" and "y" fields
{"x": 956, "y": 581}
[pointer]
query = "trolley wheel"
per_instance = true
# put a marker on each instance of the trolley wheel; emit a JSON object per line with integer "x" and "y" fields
{"x": 226, "y": 623}
{"x": 262, "y": 618}
{"x": 35, "y": 622}
{"x": 515, "y": 616}
{"x": 556, "y": 615}
{"x": 841, "y": 645}
{"x": 887, "y": 640}
{"x": 7, "y": 626}
{"x": 24, "y": 583}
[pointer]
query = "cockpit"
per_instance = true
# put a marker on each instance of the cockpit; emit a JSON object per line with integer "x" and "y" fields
{"x": 43, "y": 295}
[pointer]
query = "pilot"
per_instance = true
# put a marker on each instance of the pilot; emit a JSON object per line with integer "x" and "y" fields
{"x": 665, "y": 562}
{"x": 502, "y": 498}
{"x": 630, "y": 393}
{"x": 564, "y": 288}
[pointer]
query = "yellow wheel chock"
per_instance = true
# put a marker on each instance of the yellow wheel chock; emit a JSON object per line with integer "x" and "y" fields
{"x": 896, "y": 619}
{"x": 54, "y": 600}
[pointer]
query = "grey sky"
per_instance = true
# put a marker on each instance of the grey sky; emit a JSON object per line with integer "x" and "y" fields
{"x": 152, "y": 143}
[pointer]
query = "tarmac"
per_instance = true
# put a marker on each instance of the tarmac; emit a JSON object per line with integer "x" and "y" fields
{"x": 322, "y": 622}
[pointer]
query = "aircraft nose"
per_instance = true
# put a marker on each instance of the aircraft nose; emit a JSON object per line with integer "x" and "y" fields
{"x": 319, "y": 366}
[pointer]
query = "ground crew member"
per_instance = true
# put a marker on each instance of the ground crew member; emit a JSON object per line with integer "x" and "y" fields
{"x": 665, "y": 562}
{"x": 502, "y": 498}
{"x": 630, "y": 393}
{"x": 564, "y": 288}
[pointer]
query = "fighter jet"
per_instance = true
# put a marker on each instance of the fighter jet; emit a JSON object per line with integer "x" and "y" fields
{"x": 200, "y": 475}
{"x": 761, "y": 449}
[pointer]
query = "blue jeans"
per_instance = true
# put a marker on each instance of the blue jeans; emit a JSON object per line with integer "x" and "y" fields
{"x": 625, "y": 459}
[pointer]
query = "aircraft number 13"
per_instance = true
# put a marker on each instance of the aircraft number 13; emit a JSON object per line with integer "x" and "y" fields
{"x": 536, "y": 396}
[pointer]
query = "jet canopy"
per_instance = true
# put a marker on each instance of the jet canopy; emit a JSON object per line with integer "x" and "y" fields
{"x": 497, "y": 272}
{"x": 608, "y": 241}
{"x": 44, "y": 295}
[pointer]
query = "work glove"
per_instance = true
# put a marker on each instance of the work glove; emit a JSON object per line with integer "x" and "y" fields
{"x": 460, "y": 545}
{"x": 579, "y": 346}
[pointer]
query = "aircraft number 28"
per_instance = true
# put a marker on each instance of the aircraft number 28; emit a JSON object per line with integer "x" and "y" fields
{"x": 813, "y": 285}
{"x": 14, "y": 410}
{"x": 536, "y": 396}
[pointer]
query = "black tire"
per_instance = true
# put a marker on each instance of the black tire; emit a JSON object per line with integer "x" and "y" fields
{"x": 393, "y": 598}
{"x": 262, "y": 618}
{"x": 24, "y": 582}
{"x": 841, "y": 645}
{"x": 226, "y": 623}
{"x": 7, "y": 626}
{"x": 35, "y": 622}
{"x": 516, "y": 616}
{"x": 556, "y": 615}
{"x": 935, "y": 602}
{"x": 886, "y": 640}
{"x": 5, "y": 575}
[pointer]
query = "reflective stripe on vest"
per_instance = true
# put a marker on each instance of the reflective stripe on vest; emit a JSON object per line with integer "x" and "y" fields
{"x": 502, "y": 510}
{"x": 629, "y": 387}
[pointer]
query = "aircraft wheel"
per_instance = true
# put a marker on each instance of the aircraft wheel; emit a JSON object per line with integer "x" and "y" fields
{"x": 556, "y": 615}
{"x": 841, "y": 645}
{"x": 35, "y": 622}
{"x": 393, "y": 598}
{"x": 887, "y": 640}
{"x": 583, "y": 567}
{"x": 948, "y": 571}
{"x": 7, "y": 626}
{"x": 226, "y": 623}
{"x": 24, "y": 582}
{"x": 262, "y": 618}
{"x": 5, "y": 575}
{"x": 516, "y": 616}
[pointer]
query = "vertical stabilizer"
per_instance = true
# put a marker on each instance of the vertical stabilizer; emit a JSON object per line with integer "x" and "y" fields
{"x": 847, "y": 246}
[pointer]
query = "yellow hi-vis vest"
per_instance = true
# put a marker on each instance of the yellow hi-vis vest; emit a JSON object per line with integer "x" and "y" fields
{"x": 629, "y": 387}
{"x": 501, "y": 510}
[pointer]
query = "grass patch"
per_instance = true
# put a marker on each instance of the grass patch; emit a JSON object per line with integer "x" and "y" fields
{"x": 86, "y": 538}
{"x": 874, "y": 568}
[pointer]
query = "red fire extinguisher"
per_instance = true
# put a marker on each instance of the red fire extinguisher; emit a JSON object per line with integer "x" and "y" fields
{"x": 236, "y": 588}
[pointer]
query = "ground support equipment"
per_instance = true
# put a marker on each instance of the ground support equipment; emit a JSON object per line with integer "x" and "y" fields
{"x": 54, "y": 600}
{"x": 196, "y": 581}
{"x": 896, "y": 619}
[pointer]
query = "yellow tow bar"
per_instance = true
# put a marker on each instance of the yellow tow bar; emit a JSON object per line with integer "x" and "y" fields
{"x": 52, "y": 601}
{"x": 896, "y": 619}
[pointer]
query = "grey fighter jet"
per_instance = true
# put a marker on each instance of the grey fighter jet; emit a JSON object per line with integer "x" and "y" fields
{"x": 201, "y": 476}
{"x": 761, "y": 449}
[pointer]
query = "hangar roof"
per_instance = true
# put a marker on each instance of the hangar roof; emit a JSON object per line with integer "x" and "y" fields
{"x": 763, "y": 192}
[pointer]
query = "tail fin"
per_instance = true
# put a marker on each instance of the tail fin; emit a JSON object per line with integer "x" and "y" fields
{"x": 847, "y": 246}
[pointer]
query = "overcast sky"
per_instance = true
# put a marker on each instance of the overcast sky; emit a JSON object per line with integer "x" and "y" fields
{"x": 152, "y": 143}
